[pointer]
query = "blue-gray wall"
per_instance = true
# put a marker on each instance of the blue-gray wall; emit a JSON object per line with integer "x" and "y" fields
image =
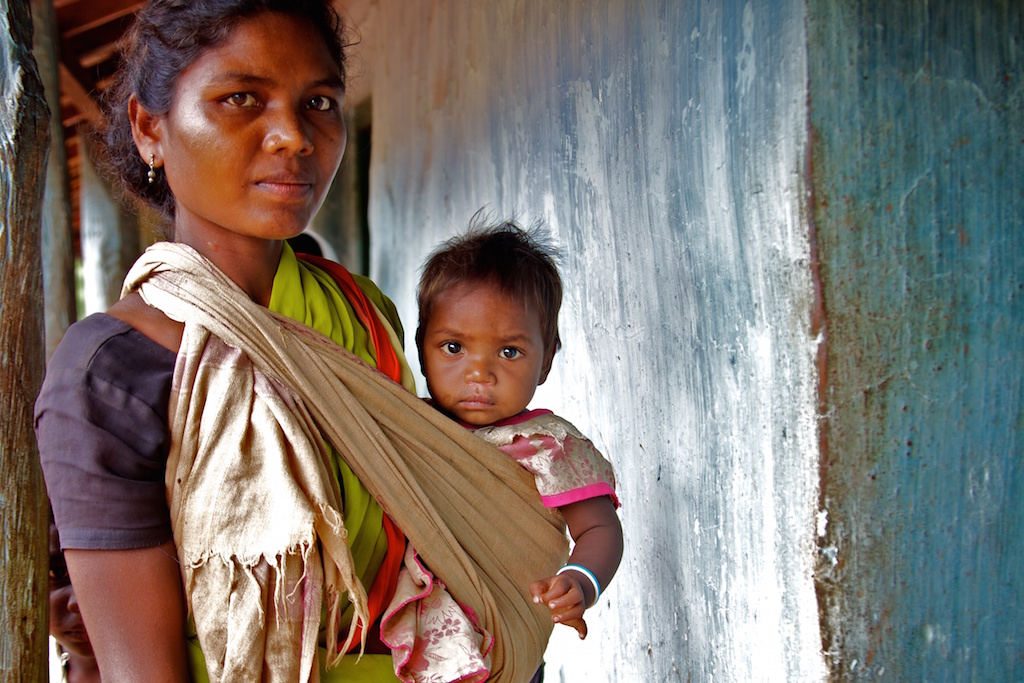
{"x": 917, "y": 117}
{"x": 745, "y": 317}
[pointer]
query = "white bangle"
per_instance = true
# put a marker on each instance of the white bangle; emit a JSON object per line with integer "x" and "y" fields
{"x": 587, "y": 573}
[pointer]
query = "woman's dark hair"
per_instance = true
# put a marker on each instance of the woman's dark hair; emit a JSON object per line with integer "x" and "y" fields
{"x": 165, "y": 39}
{"x": 521, "y": 263}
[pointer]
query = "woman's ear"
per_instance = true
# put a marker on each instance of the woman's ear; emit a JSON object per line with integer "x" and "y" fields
{"x": 147, "y": 131}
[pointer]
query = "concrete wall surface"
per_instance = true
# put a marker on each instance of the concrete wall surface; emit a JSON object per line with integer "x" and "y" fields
{"x": 665, "y": 144}
{"x": 794, "y": 310}
{"x": 917, "y": 117}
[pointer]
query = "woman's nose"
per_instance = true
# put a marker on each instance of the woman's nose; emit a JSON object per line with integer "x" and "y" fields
{"x": 287, "y": 131}
{"x": 72, "y": 600}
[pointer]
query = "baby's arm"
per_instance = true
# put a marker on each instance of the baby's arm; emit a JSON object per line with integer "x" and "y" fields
{"x": 595, "y": 528}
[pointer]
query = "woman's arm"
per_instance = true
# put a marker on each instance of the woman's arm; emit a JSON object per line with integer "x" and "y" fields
{"x": 596, "y": 529}
{"x": 133, "y": 607}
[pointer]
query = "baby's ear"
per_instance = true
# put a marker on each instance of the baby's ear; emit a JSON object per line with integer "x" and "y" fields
{"x": 546, "y": 368}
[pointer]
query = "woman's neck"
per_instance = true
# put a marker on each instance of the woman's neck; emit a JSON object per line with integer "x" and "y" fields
{"x": 250, "y": 262}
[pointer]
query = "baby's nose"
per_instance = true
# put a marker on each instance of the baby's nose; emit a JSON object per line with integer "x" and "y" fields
{"x": 479, "y": 370}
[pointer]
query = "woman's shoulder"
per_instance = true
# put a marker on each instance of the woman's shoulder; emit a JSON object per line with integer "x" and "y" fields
{"x": 104, "y": 354}
{"x": 101, "y": 338}
{"x": 148, "y": 321}
{"x": 382, "y": 302}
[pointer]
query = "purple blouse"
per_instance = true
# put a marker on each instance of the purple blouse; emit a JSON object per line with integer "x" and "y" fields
{"x": 101, "y": 425}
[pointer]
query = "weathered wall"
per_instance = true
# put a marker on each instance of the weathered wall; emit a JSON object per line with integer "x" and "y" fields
{"x": 918, "y": 174}
{"x": 666, "y": 145}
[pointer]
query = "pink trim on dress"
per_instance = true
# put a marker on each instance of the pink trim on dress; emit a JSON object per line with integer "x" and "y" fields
{"x": 433, "y": 639}
{"x": 576, "y": 495}
{"x": 566, "y": 465}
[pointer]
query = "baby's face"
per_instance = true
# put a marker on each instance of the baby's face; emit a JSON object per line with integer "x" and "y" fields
{"x": 483, "y": 354}
{"x": 65, "y": 620}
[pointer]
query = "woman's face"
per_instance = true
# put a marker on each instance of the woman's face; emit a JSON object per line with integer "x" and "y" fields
{"x": 255, "y": 133}
{"x": 65, "y": 620}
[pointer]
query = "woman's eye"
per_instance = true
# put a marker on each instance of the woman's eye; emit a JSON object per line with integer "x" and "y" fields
{"x": 242, "y": 99}
{"x": 320, "y": 103}
{"x": 510, "y": 353}
{"x": 451, "y": 348}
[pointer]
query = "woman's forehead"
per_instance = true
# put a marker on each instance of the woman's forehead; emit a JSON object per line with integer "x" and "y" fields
{"x": 269, "y": 44}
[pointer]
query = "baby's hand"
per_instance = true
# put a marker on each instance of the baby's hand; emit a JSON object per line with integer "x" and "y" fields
{"x": 564, "y": 596}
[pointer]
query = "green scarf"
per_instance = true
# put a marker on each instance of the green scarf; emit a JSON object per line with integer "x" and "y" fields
{"x": 307, "y": 294}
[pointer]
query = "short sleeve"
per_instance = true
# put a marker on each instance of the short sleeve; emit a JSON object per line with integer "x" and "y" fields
{"x": 101, "y": 426}
{"x": 566, "y": 465}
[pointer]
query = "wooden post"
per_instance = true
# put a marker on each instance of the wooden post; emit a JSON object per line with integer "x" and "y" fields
{"x": 23, "y": 519}
{"x": 56, "y": 233}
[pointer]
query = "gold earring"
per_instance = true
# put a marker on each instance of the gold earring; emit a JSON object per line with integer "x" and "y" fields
{"x": 151, "y": 175}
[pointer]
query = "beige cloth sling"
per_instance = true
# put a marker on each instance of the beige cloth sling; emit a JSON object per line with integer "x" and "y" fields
{"x": 251, "y": 491}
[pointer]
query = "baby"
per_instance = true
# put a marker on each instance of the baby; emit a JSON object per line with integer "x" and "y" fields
{"x": 66, "y": 627}
{"x": 488, "y": 331}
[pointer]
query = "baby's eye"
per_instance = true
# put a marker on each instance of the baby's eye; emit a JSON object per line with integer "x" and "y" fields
{"x": 58, "y": 572}
{"x": 451, "y": 348}
{"x": 321, "y": 103}
{"x": 242, "y": 99}
{"x": 510, "y": 353}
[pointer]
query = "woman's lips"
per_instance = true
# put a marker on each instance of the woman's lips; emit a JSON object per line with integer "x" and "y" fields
{"x": 286, "y": 188}
{"x": 287, "y": 182}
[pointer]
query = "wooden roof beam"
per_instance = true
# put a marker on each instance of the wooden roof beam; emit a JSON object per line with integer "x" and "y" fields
{"x": 79, "y": 95}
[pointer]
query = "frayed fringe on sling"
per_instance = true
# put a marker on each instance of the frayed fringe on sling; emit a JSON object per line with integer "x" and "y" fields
{"x": 251, "y": 492}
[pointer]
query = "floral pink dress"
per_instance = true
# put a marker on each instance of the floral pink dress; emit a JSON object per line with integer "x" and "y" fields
{"x": 434, "y": 639}
{"x": 567, "y": 466}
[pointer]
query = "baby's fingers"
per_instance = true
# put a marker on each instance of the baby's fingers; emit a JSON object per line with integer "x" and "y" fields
{"x": 579, "y": 624}
{"x": 566, "y": 613}
{"x": 540, "y": 590}
{"x": 553, "y": 588}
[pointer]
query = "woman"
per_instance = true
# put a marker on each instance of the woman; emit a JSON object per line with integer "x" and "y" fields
{"x": 191, "y": 435}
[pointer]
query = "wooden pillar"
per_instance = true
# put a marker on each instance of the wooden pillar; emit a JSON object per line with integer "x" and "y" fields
{"x": 23, "y": 517}
{"x": 109, "y": 236}
{"x": 56, "y": 233}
